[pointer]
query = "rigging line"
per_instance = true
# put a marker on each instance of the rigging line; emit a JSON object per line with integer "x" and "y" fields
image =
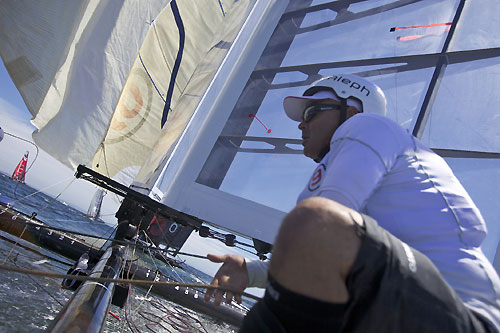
{"x": 122, "y": 281}
{"x": 154, "y": 261}
{"x": 109, "y": 238}
{"x": 145, "y": 296}
{"x": 57, "y": 196}
{"x": 156, "y": 271}
{"x": 15, "y": 245}
{"x": 150, "y": 78}
{"x": 103, "y": 237}
{"x": 268, "y": 130}
{"x": 27, "y": 248}
{"x": 155, "y": 249}
{"x": 107, "y": 167}
{"x": 127, "y": 309}
{"x": 41, "y": 287}
{"x": 45, "y": 188}
{"x": 37, "y": 150}
{"x": 42, "y": 226}
{"x": 438, "y": 74}
{"x": 175, "y": 69}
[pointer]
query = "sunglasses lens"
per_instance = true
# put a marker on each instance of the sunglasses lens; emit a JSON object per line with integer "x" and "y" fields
{"x": 313, "y": 110}
{"x": 310, "y": 112}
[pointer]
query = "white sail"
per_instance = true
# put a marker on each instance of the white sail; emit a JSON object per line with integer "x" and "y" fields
{"x": 94, "y": 209}
{"x": 179, "y": 57}
{"x": 69, "y": 60}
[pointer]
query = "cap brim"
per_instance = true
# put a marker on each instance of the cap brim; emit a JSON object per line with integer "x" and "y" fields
{"x": 295, "y": 105}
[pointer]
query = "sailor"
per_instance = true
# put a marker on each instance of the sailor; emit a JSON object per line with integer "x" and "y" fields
{"x": 384, "y": 238}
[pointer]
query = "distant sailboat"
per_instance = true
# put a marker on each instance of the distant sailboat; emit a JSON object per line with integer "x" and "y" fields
{"x": 20, "y": 171}
{"x": 95, "y": 205}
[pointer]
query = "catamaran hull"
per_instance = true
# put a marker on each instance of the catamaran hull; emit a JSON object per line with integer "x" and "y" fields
{"x": 35, "y": 231}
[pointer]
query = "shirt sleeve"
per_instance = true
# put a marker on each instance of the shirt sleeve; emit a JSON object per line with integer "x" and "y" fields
{"x": 362, "y": 152}
{"x": 257, "y": 272}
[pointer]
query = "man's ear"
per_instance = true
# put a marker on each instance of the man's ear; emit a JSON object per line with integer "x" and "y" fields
{"x": 351, "y": 111}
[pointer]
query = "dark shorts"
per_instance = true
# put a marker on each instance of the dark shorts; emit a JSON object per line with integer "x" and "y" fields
{"x": 395, "y": 288}
{"x": 392, "y": 288}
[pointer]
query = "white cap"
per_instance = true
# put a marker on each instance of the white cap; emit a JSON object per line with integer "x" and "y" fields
{"x": 295, "y": 105}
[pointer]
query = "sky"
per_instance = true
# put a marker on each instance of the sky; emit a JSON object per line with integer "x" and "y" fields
{"x": 53, "y": 178}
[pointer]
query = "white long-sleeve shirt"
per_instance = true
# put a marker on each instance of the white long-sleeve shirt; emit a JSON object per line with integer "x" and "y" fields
{"x": 377, "y": 168}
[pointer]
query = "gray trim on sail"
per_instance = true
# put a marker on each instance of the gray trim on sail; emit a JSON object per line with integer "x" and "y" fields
{"x": 400, "y": 64}
{"x": 280, "y": 146}
{"x": 343, "y": 7}
{"x": 452, "y": 153}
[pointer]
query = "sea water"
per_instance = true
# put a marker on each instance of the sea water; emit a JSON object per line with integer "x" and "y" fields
{"x": 29, "y": 303}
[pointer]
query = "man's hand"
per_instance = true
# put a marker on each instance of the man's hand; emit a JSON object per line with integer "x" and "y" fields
{"x": 232, "y": 274}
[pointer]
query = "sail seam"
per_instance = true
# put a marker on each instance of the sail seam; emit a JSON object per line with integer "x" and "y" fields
{"x": 151, "y": 79}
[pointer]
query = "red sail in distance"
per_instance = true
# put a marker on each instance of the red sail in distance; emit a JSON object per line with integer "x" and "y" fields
{"x": 20, "y": 171}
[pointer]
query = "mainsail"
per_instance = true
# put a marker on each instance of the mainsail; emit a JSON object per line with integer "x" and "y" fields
{"x": 19, "y": 173}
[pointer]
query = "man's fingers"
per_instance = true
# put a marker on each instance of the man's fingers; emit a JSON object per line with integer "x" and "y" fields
{"x": 218, "y": 297}
{"x": 209, "y": 292}
{"x": 237, "y": 298}
{"x": 229, "y": 297}
{"x": 216, "y": 258}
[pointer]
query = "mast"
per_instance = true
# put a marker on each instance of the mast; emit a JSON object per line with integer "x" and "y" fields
{"x": 86, "y": 310}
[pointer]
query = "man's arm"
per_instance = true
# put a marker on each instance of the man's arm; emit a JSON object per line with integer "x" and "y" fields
{"x": 362, "y": 152}
{"x": 257, "y": 272}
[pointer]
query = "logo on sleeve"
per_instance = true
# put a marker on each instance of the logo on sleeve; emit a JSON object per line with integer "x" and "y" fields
{"x": 316, "y": 178}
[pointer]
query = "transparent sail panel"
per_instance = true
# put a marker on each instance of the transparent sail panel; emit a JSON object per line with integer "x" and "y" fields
{"x": 338, "y": 31}
{"x": 242, "y": 167}
{"x": 258, "y": 153}
{"x": 477, "y": 27}
{"x": 465, "y": 112}
{"x": 481, "y": 179}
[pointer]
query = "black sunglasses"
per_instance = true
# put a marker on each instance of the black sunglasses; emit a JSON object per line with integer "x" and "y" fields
{"x": 311, "y": 111}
